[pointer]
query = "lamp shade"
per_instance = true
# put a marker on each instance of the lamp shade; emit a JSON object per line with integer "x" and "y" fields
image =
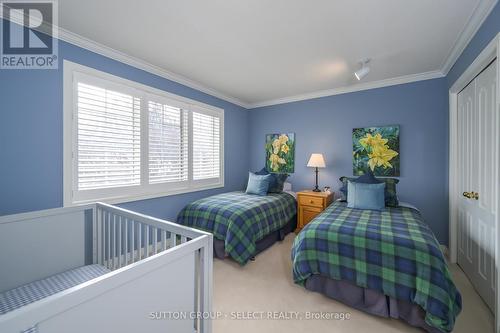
{"x": 316, "y": 161}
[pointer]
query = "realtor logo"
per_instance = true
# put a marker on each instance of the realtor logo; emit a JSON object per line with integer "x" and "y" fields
{"x": 28, "y": 35}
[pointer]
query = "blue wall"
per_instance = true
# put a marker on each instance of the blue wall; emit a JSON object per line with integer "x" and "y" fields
{"x": 31, "y": 136}
{"x": 325, "y": 125}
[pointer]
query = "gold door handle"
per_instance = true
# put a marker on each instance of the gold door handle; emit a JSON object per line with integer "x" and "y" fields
{"x": 471, "y": 195}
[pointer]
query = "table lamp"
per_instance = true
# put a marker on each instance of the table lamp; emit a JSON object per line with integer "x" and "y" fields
{"x": 316, "y": 161}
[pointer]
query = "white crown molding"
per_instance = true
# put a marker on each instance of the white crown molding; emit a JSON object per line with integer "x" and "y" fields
{"x": 475, "y": 21}
{"x": 353, "y": 88}
{"x": 109, "y": 52}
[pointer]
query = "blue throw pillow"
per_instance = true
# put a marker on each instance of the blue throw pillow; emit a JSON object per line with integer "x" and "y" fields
{"x": 258, "y": 184}
{"x": 391, "y": 197}
{"x": 365, "y": 196}
{"x": 277, "y": 180}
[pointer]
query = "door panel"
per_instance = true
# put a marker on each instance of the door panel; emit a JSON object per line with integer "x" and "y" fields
{"x": 477, "y": 159}
{"x": 465, "y": 108}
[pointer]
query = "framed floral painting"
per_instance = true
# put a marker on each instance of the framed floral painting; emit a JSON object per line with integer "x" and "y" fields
{"x": 377, "y": 149}
{"x": 280, "y": 153}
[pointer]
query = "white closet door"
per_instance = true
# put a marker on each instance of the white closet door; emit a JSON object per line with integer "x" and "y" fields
{"x": 477, "y": 182}
{"x": 466, "y": 101}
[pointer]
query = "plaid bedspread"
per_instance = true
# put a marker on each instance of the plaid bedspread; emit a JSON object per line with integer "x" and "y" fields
{"x": 392, "y": 251}
{"x": 240, "y": 219}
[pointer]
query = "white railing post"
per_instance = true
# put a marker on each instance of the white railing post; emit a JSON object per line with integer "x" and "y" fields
{"x": 132, "y": 230}
{"x": 206, "y": 285}
{"x": 120, "y": 236}
{"x": 173, "y": 239}
{"x": 164, "y": 245}
{"x": 146, "y": 248}
{"x": 155, "y": 240}
{"x": 95, "y": 233}
{"x": 126, "y": 247}
{"x": 139, "y": 239}
{"x": 98, "y": 231}
{"x": 108, "y": 238}
{"x": 113, "y": 240}
{"x": 103, "y": 237}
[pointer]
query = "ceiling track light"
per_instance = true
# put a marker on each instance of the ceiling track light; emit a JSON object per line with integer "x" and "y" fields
{"x": 361, "y": 73}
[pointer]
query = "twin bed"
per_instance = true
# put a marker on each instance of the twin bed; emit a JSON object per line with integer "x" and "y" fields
{"x": 242, "y": 224}
{"x": 387, "y": 263}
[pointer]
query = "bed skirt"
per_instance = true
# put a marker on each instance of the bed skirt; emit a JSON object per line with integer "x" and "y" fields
{"x": 370, "y": 301}
{"x": 261, "y": 245}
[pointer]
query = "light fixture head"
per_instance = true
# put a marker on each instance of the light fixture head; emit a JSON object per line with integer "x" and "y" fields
{"x": 364, "y": 69}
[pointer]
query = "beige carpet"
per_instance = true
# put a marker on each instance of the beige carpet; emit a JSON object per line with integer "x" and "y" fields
{"x": 265, "y": 285}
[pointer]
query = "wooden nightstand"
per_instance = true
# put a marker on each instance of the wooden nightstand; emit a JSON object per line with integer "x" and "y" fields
{"x": 311, "y": 204}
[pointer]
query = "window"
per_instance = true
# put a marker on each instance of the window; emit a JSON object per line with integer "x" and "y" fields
{"x": 108, "y": 138}
{"x": 125, "y": 141}
{"x": 168, "y": 143}
{"x": 206, "y": 143}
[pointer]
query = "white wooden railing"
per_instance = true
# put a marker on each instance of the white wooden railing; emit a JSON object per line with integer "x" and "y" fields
{"x": 123, "y": 237}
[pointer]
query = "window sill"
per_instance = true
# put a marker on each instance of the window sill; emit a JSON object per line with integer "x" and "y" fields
{"x": 133, "y": 198}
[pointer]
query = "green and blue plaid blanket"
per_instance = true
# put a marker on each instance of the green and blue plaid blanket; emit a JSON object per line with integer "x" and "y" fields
{"x": 240, "y": 219}
{"x": 392, "y": 251}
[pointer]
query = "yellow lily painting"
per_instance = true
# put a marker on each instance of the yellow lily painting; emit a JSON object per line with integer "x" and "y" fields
{"x": 376, "y": 149}
{"x": 280, "y": 153}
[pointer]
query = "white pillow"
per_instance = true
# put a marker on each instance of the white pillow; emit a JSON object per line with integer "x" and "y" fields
{"x": 287, "y": 186}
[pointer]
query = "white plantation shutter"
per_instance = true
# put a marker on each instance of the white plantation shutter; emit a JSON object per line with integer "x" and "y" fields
{"x": 126, "y": 141}
{"x": 206, "y": 146}
{"x": 168, "y": 143}
{"x": 108, "y": 138}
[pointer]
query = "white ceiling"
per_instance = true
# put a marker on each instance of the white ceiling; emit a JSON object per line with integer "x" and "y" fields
{"x": 260, "y": 51}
